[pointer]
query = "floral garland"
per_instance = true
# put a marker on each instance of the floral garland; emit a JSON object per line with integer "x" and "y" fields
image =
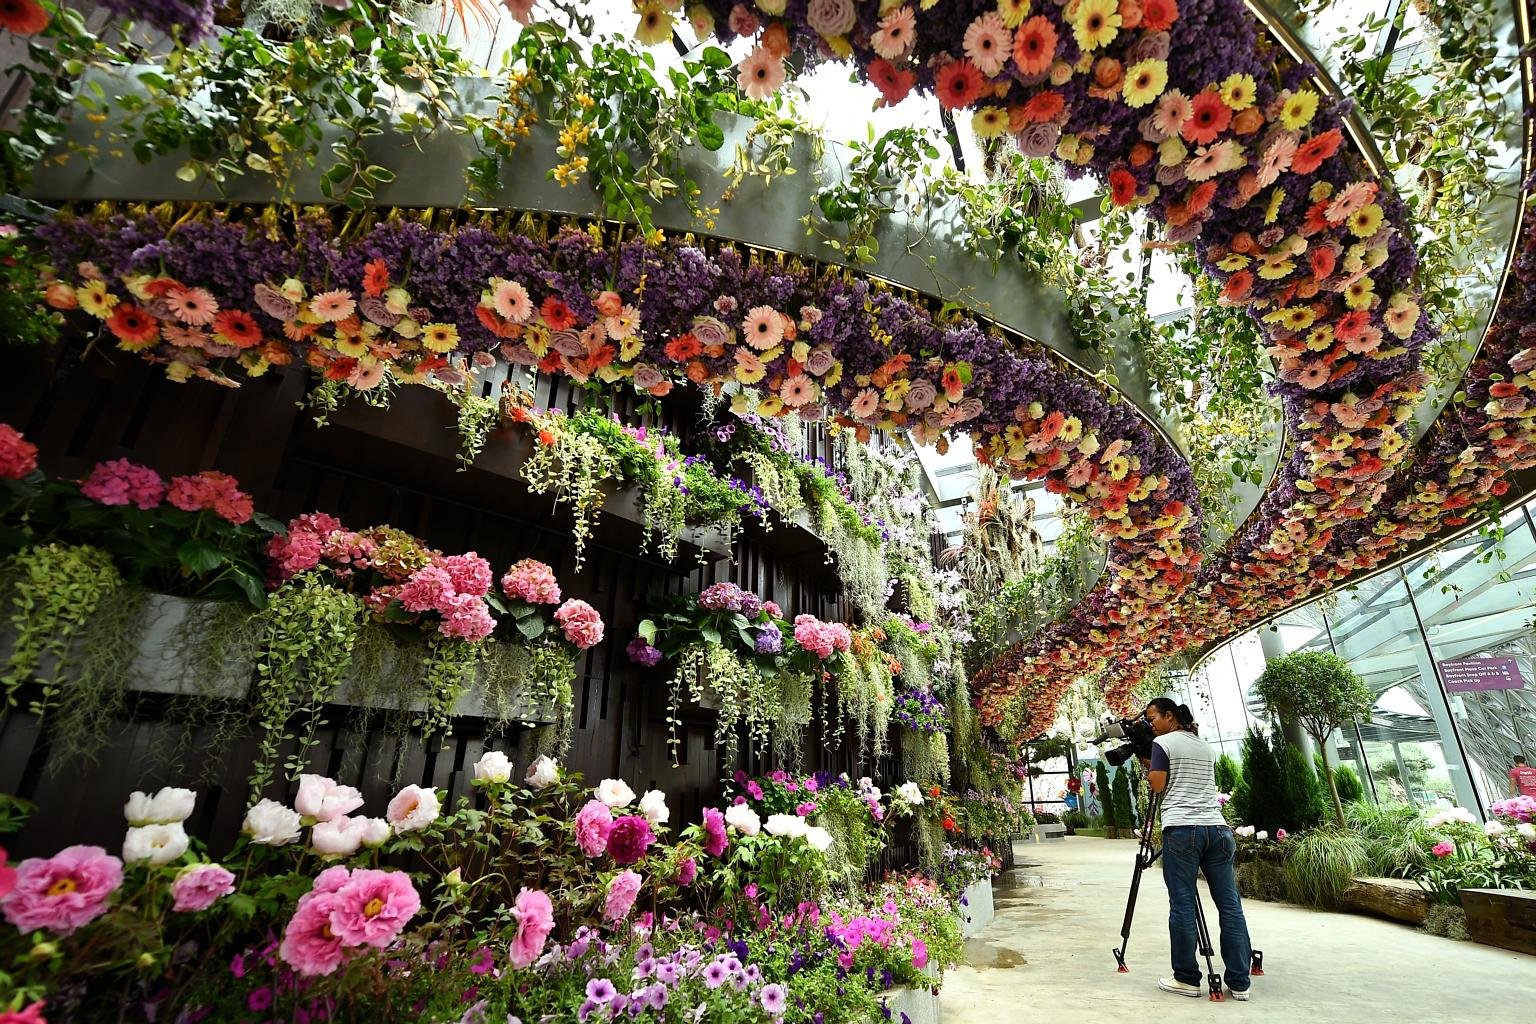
{"x": 189, "y": 20}
{"x": 1187, "y": 115}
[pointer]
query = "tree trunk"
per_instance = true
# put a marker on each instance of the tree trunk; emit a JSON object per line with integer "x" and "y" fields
{"x": 1333, "y": 786}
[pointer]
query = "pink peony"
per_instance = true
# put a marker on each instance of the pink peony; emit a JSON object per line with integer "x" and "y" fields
{"x": 593, "y": 823}
{"x": 687, "y": 871}
{"x": 374, "y": 907}
{"x": 199, "y": 886}
{"x": 120, "y": 482}
{"x": 532, "y": 581}
{"x": 7, "y": 874}
{"x": 714, "y": 832}
{"x": 581, "y": 623}
{"x": 212, "y": 491}
{"x": 322, "y": 799}
{"x": 18, "y": 456}
{"x": 629, "y": 838}
{"x": 621, "y": 896}
{"x": 470, "y": 573}
{"x": 62, "y": 892}
{"x": 309, "y": 944}
{"x": 31, "y": 1015}
{"x": 1444, "y": 848}
{"x": 535, "y": 920}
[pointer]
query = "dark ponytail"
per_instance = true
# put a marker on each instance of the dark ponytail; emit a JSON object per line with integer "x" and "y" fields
{"x": 1180, "y": 713}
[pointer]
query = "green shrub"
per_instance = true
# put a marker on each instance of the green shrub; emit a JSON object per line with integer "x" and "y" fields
{"x": 1301, "y": 802}
{"x": 1228, "y": 772}
{"x": 1074, "y": 820}
{"x": 1351, "y": 789}
{"x": 1257, "y": 791}
{"x": 1261, "y": 880}
{"x": 1322, "y": 864}
{"x": 1105, "y": 804}
{"x": 1121, "y": 790}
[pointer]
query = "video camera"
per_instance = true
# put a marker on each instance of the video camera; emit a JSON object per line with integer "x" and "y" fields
{"x": 1138, "y": 734}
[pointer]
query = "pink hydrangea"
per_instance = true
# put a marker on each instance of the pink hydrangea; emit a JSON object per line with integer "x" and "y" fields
{"x": 629, "y": 838}
{"x": 18, "y": 456}
{"x": 120, "y": 482}
{"x": 581, "y": 623}
{"x": 63, "y": 892}
{"x": 621, "y": 896}
{"x": 466, "y": 617}
{"x": 532, "y": 581}
{"x": 535, "y": 920}
{"x": 593, "y": 823}
{"x": 213, "y": 491}
{"x": 427, "y": 590}
{"x": 842, "y": 638}
{"x": 374, "y": 907}
{"x": 470, "y": 573}
{"x": 200, "y": 886}
{"x": 812, "y": 634}
{"x": 293, "y": 554}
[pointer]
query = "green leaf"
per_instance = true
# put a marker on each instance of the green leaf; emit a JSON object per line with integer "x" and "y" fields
{"x": 198, "y": 557}
{"x": 711, "y": 136}
{"x": 647, "y": 631}
{"x": 532, "y": 627}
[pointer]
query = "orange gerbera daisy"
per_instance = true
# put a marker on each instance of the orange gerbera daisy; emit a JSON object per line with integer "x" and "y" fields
{"x": 236, "y": 327}
{"x": 375, "y": 278}
{"x": 23, "y": 17}
{"x": 132, "y": 325}
{"x": 1034, "y": 45}
{"x": 959, "y": 84}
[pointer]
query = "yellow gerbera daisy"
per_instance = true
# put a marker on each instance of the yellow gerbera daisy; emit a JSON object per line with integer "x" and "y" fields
{"x": 1298, "y": 109}
{"x": 1233, "y": 261}
{"x": 1145, "y": 82}
{"x": 1273, "y": 210}
{"x": 440, "y": 337}
{"x": 655, "y": 23}
{"x": 1238, "y": 91}
{"x": 95, "y": 299}
{"x": 1364, "y": 222}
{"x": 1013, "y": 12}
{"x": 989, "y": 122}
{"x": 1360, "y": 294}
{"x": 1097, "y": 23}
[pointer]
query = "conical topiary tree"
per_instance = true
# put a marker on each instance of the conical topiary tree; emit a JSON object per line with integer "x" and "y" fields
{"x": 1254, "y": 796}
{"x": 1302, "y": 802}
{"x": 1227, "y": 774}
{"x": 1122, "y": 799}
{"x": 1106, "y": 805}
{"x": 1319, "y": 692}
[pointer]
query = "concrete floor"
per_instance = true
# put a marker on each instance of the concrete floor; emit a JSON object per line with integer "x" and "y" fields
{"x": 1047, "y": 956}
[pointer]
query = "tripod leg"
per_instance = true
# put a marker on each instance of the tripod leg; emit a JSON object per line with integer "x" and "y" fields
{"x": 1258, "y": 963}
{"x": 1145, "y": 855}
{"x": 1213, "y": 980}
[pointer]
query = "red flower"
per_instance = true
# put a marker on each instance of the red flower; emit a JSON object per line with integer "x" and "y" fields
{"x": 949, "y": 824}
{"x": 23, "y": 17}
{"x": 236, "y": 327}
{"x": 1323, "y": 261}
{"x": 1238, "y": 286}
{"x": 556, "y": 314}
{"x": 375, "y": 278}
{"x": 1311, "y": 154}
{"x": 683, "y": 348}
{"x": 1043, "y": 106}
{"x": 1210, "y": 117}
{"x": 894, "y": 84}
{"x": 1200, "y": 196}
{"x": 1034, "y": 45}
{"x": 496, "y": 325}
{"x": 1158, "y": 15}
{"x": 132, "y": 325}
{"x": 1122, "y": 187}
{"x": 959, "y": 84}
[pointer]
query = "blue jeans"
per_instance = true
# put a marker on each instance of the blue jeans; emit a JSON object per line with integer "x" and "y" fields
{"x": 1188, "y": 850}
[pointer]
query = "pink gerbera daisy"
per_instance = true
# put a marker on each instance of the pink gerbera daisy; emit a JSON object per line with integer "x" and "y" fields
{"x": 895, "y": 34}
{"x": 762, "y": 328}
{"x": 1277, "y": 158}
{"x": 760, "y": 75}
{"x": 798, "y": 390}
{"x": 1173, "y": 109}
{"x": 329, "y": 307}
{"x": 512, "y": 302}
{"x": 192, "y": 306}
{"x": 1352, "y": 198}
{"x": 988, "y": 43}
{"x": 865, "y": 403}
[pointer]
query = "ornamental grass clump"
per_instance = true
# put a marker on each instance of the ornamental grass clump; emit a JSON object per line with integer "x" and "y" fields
{"x": 1320, "y": 865}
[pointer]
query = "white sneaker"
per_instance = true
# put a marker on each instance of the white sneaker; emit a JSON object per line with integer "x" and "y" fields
{"x": 1179, "y": 987}
{"x": 1241, "y": 997}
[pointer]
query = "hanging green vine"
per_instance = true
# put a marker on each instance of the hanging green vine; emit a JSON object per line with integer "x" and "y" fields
{"x": 308, "y": 631}
{"x": 855, "y": 839}
{"x": 55, "y": 589}
{"x": 925, "y": 756}
{"x": 449, "y": 672}
{"x": 101, "y": 684}
{"x": 572, "y": 466}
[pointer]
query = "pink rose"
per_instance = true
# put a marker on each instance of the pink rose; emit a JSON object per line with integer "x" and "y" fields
{"x": 373, "y": 908}
{"x": 535, "y": 920}
{"x": 593, "y": 823}
{"x": 821, "y": 360}
{"x": 199, "y": 886}
{"x": 63, "y": 892}
{"x": 581, "y": 623}
{"x": 621, "y": 896}
{"x": 532, "y": 581}
{"x": 322, "y": 799}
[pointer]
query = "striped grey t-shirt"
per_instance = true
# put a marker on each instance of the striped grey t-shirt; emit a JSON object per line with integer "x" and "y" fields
{"x": 1190, "y": 798}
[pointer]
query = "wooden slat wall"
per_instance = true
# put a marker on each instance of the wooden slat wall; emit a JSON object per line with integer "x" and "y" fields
{"x": 109, "y": 405}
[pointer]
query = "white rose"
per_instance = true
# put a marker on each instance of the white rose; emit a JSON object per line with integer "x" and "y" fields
{"x": 819, "y": 838}
{"x": 158, "y": 844}
{"x": 339, "y": 837}
{"x": 269, "y": 823}
{"x": 166, "y": 807}
{"x": 654, "y": 806}
{"x": 543, "y": 773}
{"x": 743, "y": 819}
{"x": 322, "y": 799}
{"x": 910, "y": 792}
{"x": 413, "y": 808}
{"x": 614, "y": 793}
{"x": 493, "y": 767}
{"x": 785, "y": 825}
{"x": 375, "y": 832}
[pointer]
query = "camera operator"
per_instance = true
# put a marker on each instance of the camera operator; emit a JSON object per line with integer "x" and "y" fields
{"x": 1195, "y": 838}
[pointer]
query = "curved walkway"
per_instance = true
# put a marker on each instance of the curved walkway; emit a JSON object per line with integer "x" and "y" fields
{"x": 1058, "y": 917}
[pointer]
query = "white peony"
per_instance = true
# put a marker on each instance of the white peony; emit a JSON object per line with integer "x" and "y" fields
{"x": 819, "y": 838}
{"x": 339, "y": 837}
{"x": 375, "y": 832}
{"x": 743, "y": 819}
{"x": 785, "y": 825}
{"x": 654, "y": 806}
{"x": 1262, "y": 835}
{"x": 412, "y": 808}
{"x": 322, "y": 799}
{"x": 543, "y": 773}
{"x": 158, "y": 844}
{"x": 910, "y": 792}
{"x": 1527, "y": 830}
{"x": 1494, "y": 828}
{"x": 493, "y": 766}
{"x": 614, "y": 793}
{"x": 166, "y": 807}
{"x": 269, "y": 823}
{"x": 1246, "y": 831}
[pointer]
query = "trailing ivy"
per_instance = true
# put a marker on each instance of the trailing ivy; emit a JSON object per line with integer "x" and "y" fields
{"x": 55, "y": 589}
{"x": 449, "y": 672}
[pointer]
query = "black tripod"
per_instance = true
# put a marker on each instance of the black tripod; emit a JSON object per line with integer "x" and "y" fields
{"x": 1146, "y": 856}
